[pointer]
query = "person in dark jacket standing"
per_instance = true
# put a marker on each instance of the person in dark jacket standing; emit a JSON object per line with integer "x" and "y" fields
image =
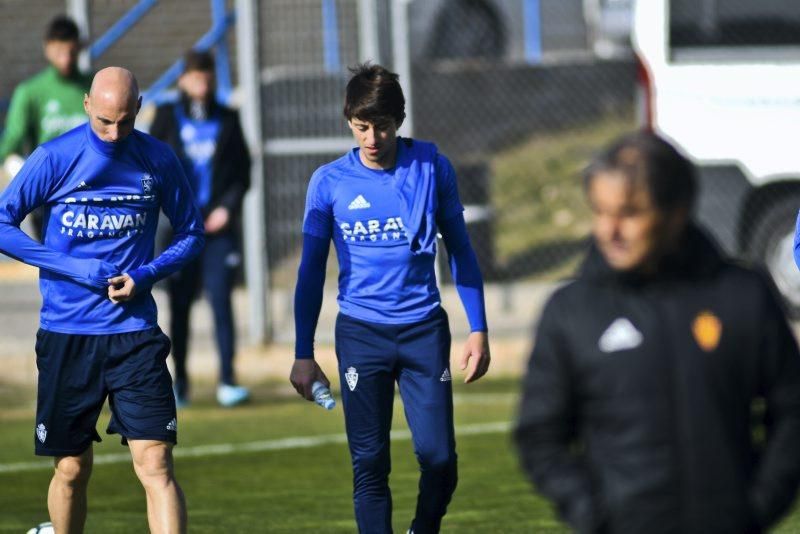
{"x": 207, "y": 137}
{"x": 636, "y": 414}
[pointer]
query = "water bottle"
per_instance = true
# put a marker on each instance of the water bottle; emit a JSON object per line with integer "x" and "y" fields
{"x": 322, "y": 395}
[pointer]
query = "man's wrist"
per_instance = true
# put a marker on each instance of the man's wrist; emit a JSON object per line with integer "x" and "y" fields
{"x": 304, "y": 347}
{"x": 142, "y": 278}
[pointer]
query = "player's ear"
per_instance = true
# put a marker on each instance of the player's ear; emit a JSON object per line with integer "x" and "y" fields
{"x": 139, "y": 104}
{"x": 86, "y": 103}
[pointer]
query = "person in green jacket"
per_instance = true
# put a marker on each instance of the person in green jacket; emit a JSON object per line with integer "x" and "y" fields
{"x": 49, "y": 103}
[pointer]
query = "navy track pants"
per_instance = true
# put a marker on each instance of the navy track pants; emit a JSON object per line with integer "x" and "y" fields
{"x": 372, "y": 357}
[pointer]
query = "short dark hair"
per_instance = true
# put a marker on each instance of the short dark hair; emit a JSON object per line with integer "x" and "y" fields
{"x": 644, "y": 157}
{"x": 201, "y": 60}
{"x": 62, "y": 28}
{"x": 374, "y": 95}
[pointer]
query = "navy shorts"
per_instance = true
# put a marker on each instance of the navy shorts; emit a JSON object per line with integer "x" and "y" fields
{"x": 78, "y": 372}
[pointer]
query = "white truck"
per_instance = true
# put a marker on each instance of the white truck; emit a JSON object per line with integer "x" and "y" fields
{"x": 721, "y": 79}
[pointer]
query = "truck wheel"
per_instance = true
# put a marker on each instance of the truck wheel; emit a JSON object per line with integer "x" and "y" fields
{"x": 772, "y": 243}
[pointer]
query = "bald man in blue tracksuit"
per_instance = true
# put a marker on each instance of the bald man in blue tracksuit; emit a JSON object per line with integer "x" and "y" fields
{"x": 102, "y": 186}
{"x": 382, "y": 204}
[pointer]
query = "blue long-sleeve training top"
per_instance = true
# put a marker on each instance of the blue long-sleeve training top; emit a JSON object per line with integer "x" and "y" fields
{"x": 101, "y": 203}
{"x": 381, "y": 279}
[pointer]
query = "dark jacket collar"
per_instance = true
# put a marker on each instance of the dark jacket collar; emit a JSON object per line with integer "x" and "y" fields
{"x": 697, "y": 256}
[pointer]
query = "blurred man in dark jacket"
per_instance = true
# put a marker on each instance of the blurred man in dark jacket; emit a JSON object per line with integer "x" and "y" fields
{"x": 637, "y": 410}
{"x": 207, "y": 137}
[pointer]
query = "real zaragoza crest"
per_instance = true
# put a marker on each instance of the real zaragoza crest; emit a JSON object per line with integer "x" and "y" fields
{"x": 707, "y": 330}
{"x": 41, "y": 432}
{"x": 352, "y": 378}
{"x": 147, "y": 183}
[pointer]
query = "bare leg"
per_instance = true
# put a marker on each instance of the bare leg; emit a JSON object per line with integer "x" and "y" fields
{"x": 66, "y": 498}
{"x": 166, "y": 505}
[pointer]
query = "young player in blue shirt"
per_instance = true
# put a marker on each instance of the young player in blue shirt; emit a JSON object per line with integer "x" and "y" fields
{"x": 102, "y": 185}
{"x": 382, "y": 204}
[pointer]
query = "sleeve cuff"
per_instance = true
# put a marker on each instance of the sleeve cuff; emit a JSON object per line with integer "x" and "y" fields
{"x": 304, "y": 350}
{"x": 143, "y": 278}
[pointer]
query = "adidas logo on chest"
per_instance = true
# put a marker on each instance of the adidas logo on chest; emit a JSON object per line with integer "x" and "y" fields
{"x": 620, "y": 335}
{"x": 359, "y": 203}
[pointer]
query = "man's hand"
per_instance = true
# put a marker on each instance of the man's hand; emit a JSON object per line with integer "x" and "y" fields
{"x": 477, "y": 350}
{"x": 217, "y": 220}
{"x": 305, "y": 372}
{"x": 121, "y": 288}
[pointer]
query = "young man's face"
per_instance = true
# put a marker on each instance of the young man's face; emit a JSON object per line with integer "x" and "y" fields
{"x": 377, "y": 142}
{"x": 198, "y": 85}
{"x": 63, "y": 55}
{"x": 630, "y": 231}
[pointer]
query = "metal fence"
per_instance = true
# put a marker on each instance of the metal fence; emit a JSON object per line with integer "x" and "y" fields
{"x": 520, "y": 93}
{"x": 488, "y": 80}
{"x": 510, "y": 90}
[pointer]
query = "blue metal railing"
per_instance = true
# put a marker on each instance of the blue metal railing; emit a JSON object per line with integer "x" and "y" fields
{"x": 533, "y": 31}
{"x": 222, "y": 21}
{"x": 219, "y": 17}
{"x": 330, "y": 36}
{"x": 215, "y": 37}
{"x": 120, "y": 28}
{"x": 212, "y": 37}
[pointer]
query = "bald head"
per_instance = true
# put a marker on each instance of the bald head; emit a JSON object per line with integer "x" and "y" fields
{"x": 112, "y": 103}
{"x": 115, "y": 83}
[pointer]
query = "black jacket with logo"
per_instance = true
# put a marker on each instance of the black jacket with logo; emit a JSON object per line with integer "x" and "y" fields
{"x": 642, "y": 394}
{"x": 230, "y": 166}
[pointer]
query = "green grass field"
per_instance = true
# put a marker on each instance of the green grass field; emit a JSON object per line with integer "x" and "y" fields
{"x": 295, "y": 489}
{"x": 257, "y": 481}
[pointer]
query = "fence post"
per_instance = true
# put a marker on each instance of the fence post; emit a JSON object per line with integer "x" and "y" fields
{"x": 79, "y": 11}
{"x": 255, "y": 234}
{"x": 369, "y": 48}
{"x": 402, "y": 60}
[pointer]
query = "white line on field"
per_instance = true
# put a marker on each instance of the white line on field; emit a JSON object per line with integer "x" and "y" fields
{"x": 484, "y": 398}
{"x": 223, "y": 449}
